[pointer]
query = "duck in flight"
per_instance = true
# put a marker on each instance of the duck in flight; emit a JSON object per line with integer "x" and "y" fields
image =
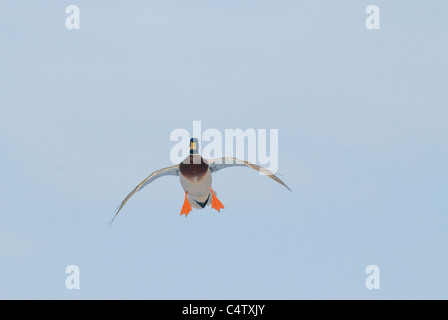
{"x": 195, "y": 175}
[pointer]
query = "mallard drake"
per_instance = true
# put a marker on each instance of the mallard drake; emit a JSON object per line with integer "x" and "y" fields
{"x": 195, "y": 175}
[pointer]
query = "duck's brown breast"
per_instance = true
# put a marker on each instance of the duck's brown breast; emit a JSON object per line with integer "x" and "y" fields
{"x": 193, "y": 168}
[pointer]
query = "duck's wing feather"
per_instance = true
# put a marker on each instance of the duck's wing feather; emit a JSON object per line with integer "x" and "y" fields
{"x": 221, "y": 163}
{"x": 173, "y": 171}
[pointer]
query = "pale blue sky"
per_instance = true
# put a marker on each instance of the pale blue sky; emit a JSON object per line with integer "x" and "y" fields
{"x": 362, "y": 117}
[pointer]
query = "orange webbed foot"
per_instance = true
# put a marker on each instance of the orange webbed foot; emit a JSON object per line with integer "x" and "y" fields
{"x": 216, "y": 204}
{"x": 186, "y": 208}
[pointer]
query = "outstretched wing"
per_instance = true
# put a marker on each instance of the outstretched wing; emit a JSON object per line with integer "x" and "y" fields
{"x": 221, "y": 163}
{"x": 173, "y": 171}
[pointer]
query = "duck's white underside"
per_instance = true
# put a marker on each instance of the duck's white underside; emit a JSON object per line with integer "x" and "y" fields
{"x": 197, "y": 190}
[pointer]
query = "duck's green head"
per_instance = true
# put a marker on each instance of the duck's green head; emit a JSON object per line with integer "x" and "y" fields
{"x": 194, "y": 146}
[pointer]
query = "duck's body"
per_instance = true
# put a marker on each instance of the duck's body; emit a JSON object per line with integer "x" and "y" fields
{"x": 195, "y": 174}
{"x": 196, "y": 180}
